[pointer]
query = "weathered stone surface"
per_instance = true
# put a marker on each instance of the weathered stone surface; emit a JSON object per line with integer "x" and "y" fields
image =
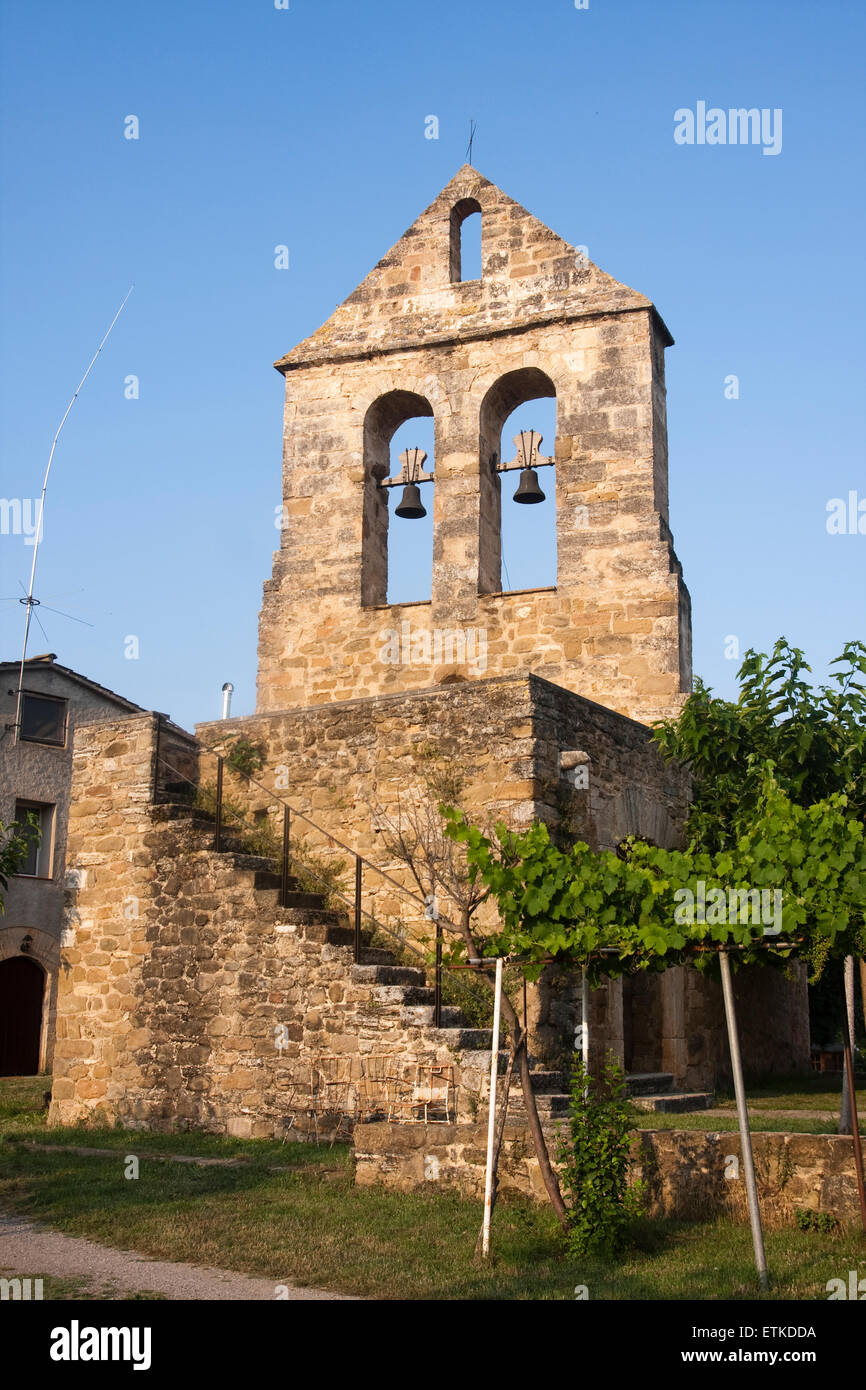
{"x": 181, "y": 970}
{"x": 690, "y": 1175}
{"x": 414, "y": 340}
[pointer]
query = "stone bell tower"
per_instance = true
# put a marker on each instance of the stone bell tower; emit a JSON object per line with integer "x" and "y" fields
{"x": 414, "y": 339}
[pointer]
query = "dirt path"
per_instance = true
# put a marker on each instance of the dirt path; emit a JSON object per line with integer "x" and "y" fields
{"x": 30, "y": 1250}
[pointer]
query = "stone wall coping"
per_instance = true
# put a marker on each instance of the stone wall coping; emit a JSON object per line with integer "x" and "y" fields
{"x": 427, "y": 693}
{"x": 326, "y": 355}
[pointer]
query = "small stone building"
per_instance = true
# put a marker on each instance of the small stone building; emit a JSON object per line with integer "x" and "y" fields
{"x": 35, "y": 777}
{"x": 170, "y": 1011}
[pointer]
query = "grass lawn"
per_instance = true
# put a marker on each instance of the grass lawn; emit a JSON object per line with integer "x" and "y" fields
{"x": 759, "y": 1122}
{"x": 816, "y": 1092}
{"x": 291, "y": 1212}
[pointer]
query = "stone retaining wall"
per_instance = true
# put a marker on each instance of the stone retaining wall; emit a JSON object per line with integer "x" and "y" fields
{"x": 690, "y": 1174}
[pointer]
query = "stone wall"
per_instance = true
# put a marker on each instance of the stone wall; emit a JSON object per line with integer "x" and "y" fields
{"x": 521, "y": 743}
{"x": 542, "y": 321}
{"x": 187, "y": 997}
{"x": 685, "y": 1170}
{"x": 179, "y": 970}
{"x": 349, "y": 766}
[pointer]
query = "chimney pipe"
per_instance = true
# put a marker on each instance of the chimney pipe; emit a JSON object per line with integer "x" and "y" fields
{"x": 227, "y": 699}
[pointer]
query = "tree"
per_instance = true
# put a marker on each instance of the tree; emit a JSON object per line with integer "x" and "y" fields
{"x": 815, "y": 738}
{"x": 418, "y": 835}
{"x": 15, "y": 841}
{"x": 649, "y": 908}
{"x": 755, "y": 828}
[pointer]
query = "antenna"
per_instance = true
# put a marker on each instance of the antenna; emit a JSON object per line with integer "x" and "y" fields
{"x": 30, "y": 602}
{"x": 472, "y": 129}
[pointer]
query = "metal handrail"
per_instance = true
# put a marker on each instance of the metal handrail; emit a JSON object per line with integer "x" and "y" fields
{"x": 287, "y": 858}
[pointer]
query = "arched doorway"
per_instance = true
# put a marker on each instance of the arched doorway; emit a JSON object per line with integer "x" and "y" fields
{"x": 22, "y": 987}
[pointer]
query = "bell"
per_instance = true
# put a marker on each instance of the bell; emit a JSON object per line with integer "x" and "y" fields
{"x": 411, "y": 505}
{"x": 528, "y": 489}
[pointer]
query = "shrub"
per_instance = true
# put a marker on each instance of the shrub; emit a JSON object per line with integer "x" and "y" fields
{"x": 595, "y": 1162}
{"x": 823, "y": 1221}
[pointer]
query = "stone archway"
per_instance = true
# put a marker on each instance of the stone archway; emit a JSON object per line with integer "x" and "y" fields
{"x": 42, "y": 950}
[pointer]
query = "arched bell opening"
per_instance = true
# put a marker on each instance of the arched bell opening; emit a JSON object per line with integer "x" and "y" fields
{"x": 397, "y": 537}
{"x": 517, "y": 519}
{"x": 466, "y": 241}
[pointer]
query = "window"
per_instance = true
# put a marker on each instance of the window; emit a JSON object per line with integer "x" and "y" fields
{"x": 466, "y": 263}
{"x": 43, "y": 719}
{"x": 39, "y": 837}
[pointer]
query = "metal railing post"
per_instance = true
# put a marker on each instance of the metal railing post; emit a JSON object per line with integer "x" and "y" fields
{"x": 284, "y": 873}
{"x": 218, "y": 832}
{"x": 437, "y": 993}
{"x": 155, "y": 796}
{"x": 357, "y": 942}
{"x": 743, "y": 1116}
{"x": 852, "y": 1102}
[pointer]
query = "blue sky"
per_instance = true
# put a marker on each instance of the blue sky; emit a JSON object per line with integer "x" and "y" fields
{"x": 305, "y": 127}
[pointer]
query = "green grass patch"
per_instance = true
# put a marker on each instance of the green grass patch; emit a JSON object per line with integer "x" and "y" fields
{"x": 759, "y": 1122}
{"x": 21, "y": 1103}
{"x": 820, "y": 1092}
{"x": 291, "y": 1213}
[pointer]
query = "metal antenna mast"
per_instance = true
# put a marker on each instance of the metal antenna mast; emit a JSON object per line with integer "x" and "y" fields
{"x": 472, "y": 129}
{"x": 29, "y": 601}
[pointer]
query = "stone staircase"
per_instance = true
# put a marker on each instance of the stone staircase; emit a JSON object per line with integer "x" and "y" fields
{"x": 404, "y": 988}
{"x": 654, "y": 1091}
{"x": 651, "y": 1091}
{"x": 305, "y": 911}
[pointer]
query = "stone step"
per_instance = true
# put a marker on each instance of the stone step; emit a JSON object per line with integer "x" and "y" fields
{"x": 295, "y": 898}
{"x": 375, "y": 955}
{"x": 417, "y": 995}
{"x": 545, "y": 1082}
{"x": 311, "y": 919}
{"x": 675, "y": 1102}
{"x": 421, "y": 1016}
{"x": 266, "y": 879}
{"x": 648, "y": 1083}
{"x": 388, "y": 975}
{"x": 464, "y": 1039}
